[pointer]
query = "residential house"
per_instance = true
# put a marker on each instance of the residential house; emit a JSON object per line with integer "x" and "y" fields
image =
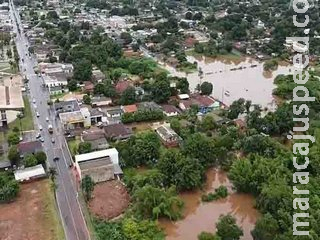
{"x": 26, "y": 148}
{"x": 76, "y": 119}
{"x": 168, "y": 136}
{"x": 88, "y": 87}
{"x": 30, "y": 173}
{"x": 169, "y": 110}
{"x": 55, "y": 90}
{"x": 96, "y": 138}
{"x": 96, "y": 115}
{"x": 130, "y": 108}
{"x": 117, "y": 131}
{"x": 113, "y": 114}
{"x": 98, "y": 76}
{"x": 100, "y": 101}
{"x": 66, "y": 106}
{"x": 122, "y": 85}
{"x": 100, "y": 165}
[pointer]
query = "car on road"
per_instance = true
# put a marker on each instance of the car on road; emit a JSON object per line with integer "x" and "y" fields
{"x": 40, "y": 127}
{"x": 47, "y": 119}
{"x": 38, "y": 114}
{"x": 55, "y": 159}
{"x": 53, "y": 140}
{"x": 34, "y": 101}
{"x": 41, "y": 139}
{"x": 38, "y": 135}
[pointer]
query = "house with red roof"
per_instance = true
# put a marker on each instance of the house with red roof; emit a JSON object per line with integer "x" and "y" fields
{"x": 130, "y": 108}
{"x": 121, "y": 86}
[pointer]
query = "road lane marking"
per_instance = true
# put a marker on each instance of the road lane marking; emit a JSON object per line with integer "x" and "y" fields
{"x": 69, "y": 206}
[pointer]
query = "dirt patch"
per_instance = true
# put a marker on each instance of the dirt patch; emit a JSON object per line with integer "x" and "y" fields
{"x": 32, "y": 215}
{"x": 110, "y": 199}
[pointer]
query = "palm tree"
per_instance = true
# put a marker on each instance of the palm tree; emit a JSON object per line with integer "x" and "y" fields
{"x": 52, "y": 173}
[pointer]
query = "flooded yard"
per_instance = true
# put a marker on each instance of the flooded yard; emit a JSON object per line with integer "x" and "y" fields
{"x": 203, "y": 216}
{"x": 234, "y": 79}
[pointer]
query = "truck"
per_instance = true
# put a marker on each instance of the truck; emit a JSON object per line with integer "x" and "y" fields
{"x": 50, "y": 128}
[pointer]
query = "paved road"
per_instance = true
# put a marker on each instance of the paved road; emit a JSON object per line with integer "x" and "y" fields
{"x": 72, "y": 218}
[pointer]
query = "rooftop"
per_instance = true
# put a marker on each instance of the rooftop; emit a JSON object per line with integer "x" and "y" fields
{"x": 130, "y": 108}
{"x": 71, "y": 117}
{"x": 11, "y": 98}
{"x": 30, "y": 172}
{"x": 29, "y": 147}
{"x": 117, "y": 130}
{"x": 95, "y": 155}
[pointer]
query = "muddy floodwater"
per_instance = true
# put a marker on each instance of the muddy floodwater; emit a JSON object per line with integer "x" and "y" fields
{"x": 200, "y": 216}
{"x": 243, "y": 78}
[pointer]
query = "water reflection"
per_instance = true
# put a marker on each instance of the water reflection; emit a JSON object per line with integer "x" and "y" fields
{"x": 243, "y": 77}
{"x": 203, "y": 216}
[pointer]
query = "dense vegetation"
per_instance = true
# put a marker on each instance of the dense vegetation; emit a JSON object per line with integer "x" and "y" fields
{"x": 9, "y": 187}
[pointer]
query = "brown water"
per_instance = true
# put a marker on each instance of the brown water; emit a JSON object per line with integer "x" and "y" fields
{"x": 251, "y": 83}
{"x": 203, "y": 216}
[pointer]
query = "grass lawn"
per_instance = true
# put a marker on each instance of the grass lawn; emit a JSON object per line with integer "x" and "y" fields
{"x": 73, "y": 146}
{"x": 27, "y": 120}
{"x": 233, "y": 55}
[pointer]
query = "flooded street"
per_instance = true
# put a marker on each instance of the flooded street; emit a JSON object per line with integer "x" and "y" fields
{"x": 203, "y": 216}
{"x": 242, "y": 78}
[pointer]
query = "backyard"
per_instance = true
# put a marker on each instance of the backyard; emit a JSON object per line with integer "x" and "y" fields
{"x": 33, "y": 215}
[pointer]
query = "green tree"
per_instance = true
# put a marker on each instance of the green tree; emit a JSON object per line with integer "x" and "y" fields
{"x": 200, "y": 147}
{"x": 52, "y": 173}
{"x": 126, "y": 37}
{"x": 227, "y": 228}
{"x": 206, "y": 88}
{"x": 72, "y": 85}
{"x": 87, "y": 185}
{"x": 82, "y": 70}
{"x": 13, "y": 138}
{"x": 161, "y": 91}
{"x": 9, "y": 187}
{"x": 13, "y": 155}
{"x": 84, "y": 147}
{"x": 208, "y": 236}
{"x": 128, "y": 96}
{"x": 86, "y": 99}
{"x": 52, "y": 15}
{"x": 30, "y": 160}
{"x": 9, "y": 53}
{"x": 151, "y": 202}
{"x": 41, "y": 157}
{"x": 146, "y": 230}
{"x": 266, "y": 228}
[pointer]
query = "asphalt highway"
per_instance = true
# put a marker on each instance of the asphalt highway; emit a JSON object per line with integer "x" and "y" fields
{"x": 66, "y": 193}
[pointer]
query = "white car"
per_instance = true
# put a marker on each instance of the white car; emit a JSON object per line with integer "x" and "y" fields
{"x": 34, "y": 101}
{"x": 38, "y": 114}
{"x": 47, "y": 119}
{"x": 40, "y": 127}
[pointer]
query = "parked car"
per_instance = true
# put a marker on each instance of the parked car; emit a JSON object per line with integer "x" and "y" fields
{"x": 38, "y": 135}
{"x": 38, "y": 114}
{"x": 41, "y": 139}
{"x": 40, "y": 127}
{"x": 53, "y": 140}
{"x": 34, "y": 100}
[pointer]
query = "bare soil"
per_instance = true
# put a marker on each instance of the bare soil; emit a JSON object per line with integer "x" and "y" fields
{"x": 32, "y": 216}
{"x": 109, "y": 199}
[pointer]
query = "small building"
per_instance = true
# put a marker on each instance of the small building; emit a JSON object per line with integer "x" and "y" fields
{"x": 67, "y": 106}
{"x": 77, "y": 119}
{"x": 96, "y": 115}
{"x": 130, "y": 108}
{"x": 99, "y": 101}
{"x": 122, "y": 86}
{"x": 55, "y": 90}
{"x": 169, "y": 110}
{"x": 88, "y": 87}
{"x": 32, "y": 147}
{"x": 168, "y": 137}
{"x": 113, "y": 114}
{"x": 117, "y": 131}
{"x": 96, "y": 138}
{"x": 30, "y": 173}
{"x": 99, "y": 165}
{"x": 183, "y": 96}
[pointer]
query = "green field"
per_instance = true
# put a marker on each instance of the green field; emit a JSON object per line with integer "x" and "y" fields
{"x": 27, "y": 120}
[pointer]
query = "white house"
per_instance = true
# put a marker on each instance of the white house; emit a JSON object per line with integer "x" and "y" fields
{"x": 30, "y": 173}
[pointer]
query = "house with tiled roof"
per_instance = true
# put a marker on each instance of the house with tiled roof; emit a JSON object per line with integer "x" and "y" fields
{"x": 130, "y": 108}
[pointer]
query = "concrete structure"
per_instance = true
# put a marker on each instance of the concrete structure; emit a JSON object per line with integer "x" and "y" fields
{"x": 168, "y": 137}
{"x": 30, "y": 173}
{"x": 52, "y": 81}
{"x": 100, "y": 165}
{"x": 169, "y": 110}
{"x": 10, "y": 99}
{"x": 76, "y": 119}
{"x": 117, "y": 131}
